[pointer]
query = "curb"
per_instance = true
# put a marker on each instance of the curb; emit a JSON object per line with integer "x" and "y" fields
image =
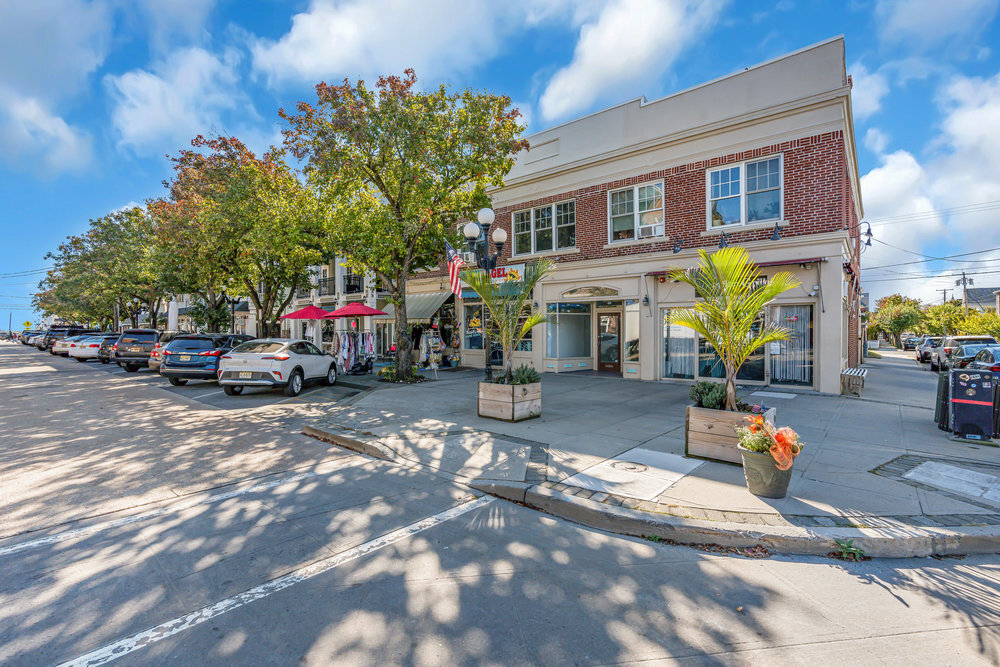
{"x": 882, "y": 542}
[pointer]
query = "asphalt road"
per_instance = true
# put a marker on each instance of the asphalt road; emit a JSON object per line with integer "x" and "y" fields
{"x": 142, "y": 524}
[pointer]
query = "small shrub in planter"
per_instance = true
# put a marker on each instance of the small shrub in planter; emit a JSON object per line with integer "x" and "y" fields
{"x": 768, "y": 453}
{"x": 388, "y": 374}
{"x": 523, "y": 374}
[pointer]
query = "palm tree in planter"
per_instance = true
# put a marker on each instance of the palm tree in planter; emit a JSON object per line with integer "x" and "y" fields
{"x": 728, "y": 317}
{"x": 515, "y": 395}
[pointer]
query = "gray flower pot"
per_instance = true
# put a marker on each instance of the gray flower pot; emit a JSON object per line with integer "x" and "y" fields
{"x": 763, "y": 477}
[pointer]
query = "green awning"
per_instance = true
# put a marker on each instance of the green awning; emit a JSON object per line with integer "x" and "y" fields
{"x": 418, "y": 306}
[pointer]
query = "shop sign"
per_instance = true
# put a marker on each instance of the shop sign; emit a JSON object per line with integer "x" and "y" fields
{"x": 504, "y": 274}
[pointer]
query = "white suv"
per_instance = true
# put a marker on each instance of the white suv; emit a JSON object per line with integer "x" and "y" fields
{"x": 275, "y": 362}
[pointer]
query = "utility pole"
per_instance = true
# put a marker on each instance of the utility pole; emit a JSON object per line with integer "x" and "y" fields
{"x": 944, "y": 295}
{"x": 964, "y": 282}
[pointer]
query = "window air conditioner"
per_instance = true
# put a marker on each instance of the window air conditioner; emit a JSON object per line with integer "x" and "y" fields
{"x": 650, "y": 231}
{"x": 469, "y": 258}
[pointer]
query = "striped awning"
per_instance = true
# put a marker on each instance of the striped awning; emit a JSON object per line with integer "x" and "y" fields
{"x": 418, "y": 306}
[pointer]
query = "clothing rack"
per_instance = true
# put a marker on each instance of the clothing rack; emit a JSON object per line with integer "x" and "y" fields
{"x": 354, "y": 349}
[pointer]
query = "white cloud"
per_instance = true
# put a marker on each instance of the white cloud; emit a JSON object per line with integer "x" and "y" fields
{"x": 28, "y": 130}
{"x": 173, "y": 21}
{"x": 868, "y": 91}
{"x": 876, "y": 140}
{"x": 362, "y": 38}
{"x": 185, "y": 95}
{"x": 920, "y": 25}
{"x": 627, "y": 45}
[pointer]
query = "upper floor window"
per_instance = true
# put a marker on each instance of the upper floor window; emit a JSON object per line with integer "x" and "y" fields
{"x": 636, "y": 212}
{"x": 545, "y": 228}
{"x": 745, "y": 192}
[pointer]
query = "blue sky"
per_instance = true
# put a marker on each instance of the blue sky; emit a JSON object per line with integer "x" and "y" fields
{"x": 94, "y": 93}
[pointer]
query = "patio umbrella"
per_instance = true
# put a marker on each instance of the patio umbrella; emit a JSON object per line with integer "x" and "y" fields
{"x": 354, "y": 309}
{"x": 307, "y": 313}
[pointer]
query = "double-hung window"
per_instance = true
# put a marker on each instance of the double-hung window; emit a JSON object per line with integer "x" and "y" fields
{"x": 636, "y": 212}
{"x": 545, "y": 228}
{"x": 745, "y": 193}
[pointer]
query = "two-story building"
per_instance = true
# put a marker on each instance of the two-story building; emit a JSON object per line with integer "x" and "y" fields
{"x": 763, "y": 158}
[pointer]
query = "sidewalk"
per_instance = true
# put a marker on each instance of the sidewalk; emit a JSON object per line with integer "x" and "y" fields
{"x": 609, "y": 453}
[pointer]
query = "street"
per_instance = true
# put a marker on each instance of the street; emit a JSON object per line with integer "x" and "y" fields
{"x": 145, "y": 523}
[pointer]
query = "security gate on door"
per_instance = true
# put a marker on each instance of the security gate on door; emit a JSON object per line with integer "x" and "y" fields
{"x": 792, "y": 360}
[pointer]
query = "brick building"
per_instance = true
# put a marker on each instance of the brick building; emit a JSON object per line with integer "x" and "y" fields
{"x": 764, "y": 158}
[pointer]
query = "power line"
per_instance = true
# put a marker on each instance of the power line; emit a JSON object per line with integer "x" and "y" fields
{"x": 933, "y": 213}
{"x": 918, "y": 261}
{"x": 952, "y": 276}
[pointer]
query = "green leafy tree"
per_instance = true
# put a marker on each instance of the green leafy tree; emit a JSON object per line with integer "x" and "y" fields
{"x": 895, "y": 314}
{"x": 728, "y": 314}
{"x": 208, "y": 316}
{"x": 979, "y": 323}
{"x": 397, "y": 168}
{"x": 511, "y": 314}
{"x": 943, "y": 319}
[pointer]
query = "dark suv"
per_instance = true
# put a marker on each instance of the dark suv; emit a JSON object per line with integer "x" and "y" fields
{"x": 54, "y": 334}
{"x": 196, "y": 356}
{"x": 106, "y": 354}
{"x": 134, "y": 347}
{"x": 156, "y": 356}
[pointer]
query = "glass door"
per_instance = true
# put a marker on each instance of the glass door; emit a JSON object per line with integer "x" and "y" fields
{"x": 792, "y": 360}
{"x": 678, "y": 349}
{"x": 609, "y": 342}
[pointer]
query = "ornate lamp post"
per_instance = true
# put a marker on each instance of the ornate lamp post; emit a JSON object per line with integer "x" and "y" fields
{"x": 487, "y": 262}
{"x": 232, "y": 301}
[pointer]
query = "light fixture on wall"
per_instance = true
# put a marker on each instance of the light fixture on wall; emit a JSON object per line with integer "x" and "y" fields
{"x": 724, "y": 241}
{"x": 776, "y": 235}
{"x": 677, "y": 246}
{"x": 645, "y": 300}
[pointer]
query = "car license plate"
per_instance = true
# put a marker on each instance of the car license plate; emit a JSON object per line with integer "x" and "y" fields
{"x": 246, "y": 375}
{"x": 185, "y": 357}
{"x": 136, "y": 349}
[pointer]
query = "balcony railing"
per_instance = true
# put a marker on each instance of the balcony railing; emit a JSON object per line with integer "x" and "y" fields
{"x": 302, "y": 293}
{"x": 327, "y": 286}
{"x": 353, "y": 284}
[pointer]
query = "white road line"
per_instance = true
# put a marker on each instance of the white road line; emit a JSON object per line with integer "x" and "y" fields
{"x": 145, "y": 638}
{"x": 106, "y": 525}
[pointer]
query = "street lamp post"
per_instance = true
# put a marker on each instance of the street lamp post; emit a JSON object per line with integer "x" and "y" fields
{"x": 232, "y": 301}
{"x": 135, "y": 311}
{"x": 487, "y": 262}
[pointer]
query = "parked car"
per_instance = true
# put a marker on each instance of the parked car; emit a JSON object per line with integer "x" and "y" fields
{"x": 86, "y": 347}
{"x": 275, "y": 362}
{"x": 911, "y": 342}
{"x": 987, "y": 359}
{"x": 941, "y": 354}
{"x": 924, "y": 348}
{"x": 26, "y": 336}
{"x": 61, "y": 346}
{"x": 134, "y": 347}
{"x": 156, "y": 354}
{"x": 961, "y": 357}
{"x": 196, "y": 356}
{"x": 106, "y": 353}
{"x": 57, "y": 333}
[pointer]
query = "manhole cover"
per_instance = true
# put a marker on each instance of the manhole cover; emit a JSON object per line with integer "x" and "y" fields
{"x": 629, "y": 466}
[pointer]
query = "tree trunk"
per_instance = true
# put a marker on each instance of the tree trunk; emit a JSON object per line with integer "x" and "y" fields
{"x": 404, "y": 345}
{"x": 730, "y": 388}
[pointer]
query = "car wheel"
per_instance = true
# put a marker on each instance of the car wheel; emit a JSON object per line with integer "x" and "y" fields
{"x": 105, "y": 361}
{"x": 81, "y": 360}
{"x": 331, "y": 375}
{"x": 294, "y": 386}
{"x": 177, "y": 382}
{"x": 934, "y": 366}
{"x": 233, "y": 389}
{"x": 131, "y": 368}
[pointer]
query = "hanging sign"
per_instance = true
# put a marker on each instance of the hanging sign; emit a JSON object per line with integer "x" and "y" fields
{"x": 504, "y": 274}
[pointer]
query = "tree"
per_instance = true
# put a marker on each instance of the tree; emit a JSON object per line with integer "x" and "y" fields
{"x": 260, "y": 227}
{"x": 943, "y": 319}
{"x": 207, "y": 316}
{"x": 978, "y": 323}
{"x": 895, "y": 314}
{"x": 397, "y": 168}
{"x": 727, "y": 316}
{"x": 511, "y": 314}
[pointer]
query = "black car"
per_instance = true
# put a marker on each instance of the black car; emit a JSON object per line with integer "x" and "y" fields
{"x": 134, "y": 347}
{"x": 196, "y": 356}
{"x": 107, "y": 352}
{"x": 987, "y": 359}
{"x": 911, "y": 342}
{"x": 964, "y": 354}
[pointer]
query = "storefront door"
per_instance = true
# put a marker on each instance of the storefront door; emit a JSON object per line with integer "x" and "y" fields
{"x": 609, "y": 342}
{"x": 792, "y": 360}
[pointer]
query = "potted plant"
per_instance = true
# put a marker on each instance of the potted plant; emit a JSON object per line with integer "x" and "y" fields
{"x": 515, "y": 395}
{"x": 727, "y": 316}
{"x": 767, "y": 455}
{"x": 709, "y": 428}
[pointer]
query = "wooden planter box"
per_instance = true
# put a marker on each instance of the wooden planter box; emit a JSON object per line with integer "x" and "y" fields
{"x": 510, "y": 402}
{"x": 711, "y": 434}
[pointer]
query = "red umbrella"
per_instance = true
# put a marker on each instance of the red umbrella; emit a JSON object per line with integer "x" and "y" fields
{"x": 354, "y": 309}
{"x": 307, "y": 313}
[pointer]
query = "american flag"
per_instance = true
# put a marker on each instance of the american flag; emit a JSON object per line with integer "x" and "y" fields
{"x": 455, "y": 265}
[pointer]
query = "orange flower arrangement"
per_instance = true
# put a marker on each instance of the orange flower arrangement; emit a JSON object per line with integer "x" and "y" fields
{"x": 759, "y": 436}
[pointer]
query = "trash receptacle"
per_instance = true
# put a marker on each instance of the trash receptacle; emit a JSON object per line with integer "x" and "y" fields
{"x": 973, "y": 403}
{"x": 942, "y": 414}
